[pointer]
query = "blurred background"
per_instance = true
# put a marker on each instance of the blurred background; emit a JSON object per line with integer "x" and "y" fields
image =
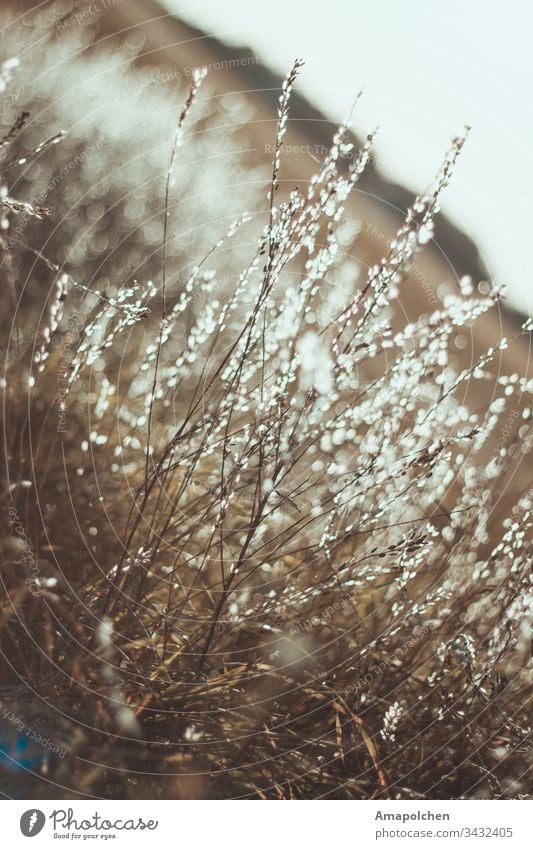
{"x": 108, "y": 79}
{"x": 427, "y": 69}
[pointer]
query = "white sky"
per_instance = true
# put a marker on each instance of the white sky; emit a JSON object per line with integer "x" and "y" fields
{"x": 427, "y": 67}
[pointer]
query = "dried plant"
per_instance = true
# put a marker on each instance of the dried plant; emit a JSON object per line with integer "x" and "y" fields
{"x": 253, "y": 542}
